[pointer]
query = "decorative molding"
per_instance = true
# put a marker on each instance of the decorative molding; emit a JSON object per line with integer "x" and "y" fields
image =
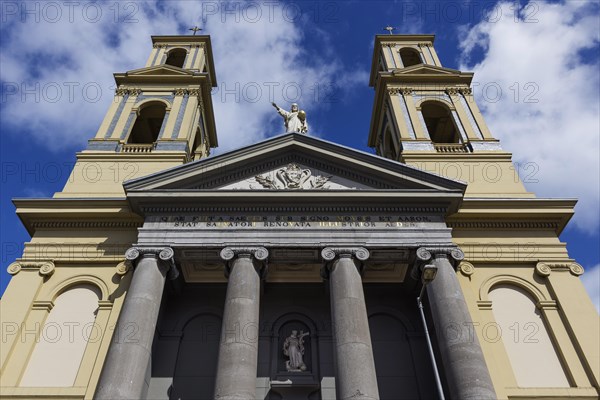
{"x": 466, "y": 91}
{"x": 87, "y": 224}
{"x": 330, "y": 253}
{"x": 492, "y": 281}
{"x": 484, "y": 304}
{"x": 240, "y": 174}
{"x": 194, "y": 92}
{"x": 425, "y": 254}
{"x": 452, "y": 91}
{"x": 466, "y": 268}
{"x": 259, "y": 256}
{"x": 542, "y": 269}
{"x": 293, "y": 177}
{"x": 46, "y": 305}
{"x": 46, "y": 268}
{"x": 121, "y": 91}
{"x": 180, "y": 92}
{"x": 545, "y": 268}
{"x": 424, "y": 44}
{"x": 294, "y": 209}
{"x": 547, "y": 305}
{"x": 503, "y": 225}
{"x": 357, "y": 254}
{"x": 164, "y": 254}
{"x": 122, "y": 268}
{"x": 135, "y": 92}
{"x": 394, "y": 91}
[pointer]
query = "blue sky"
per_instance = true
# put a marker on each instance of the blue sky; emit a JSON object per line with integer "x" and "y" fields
{"x": 536, "y": 69}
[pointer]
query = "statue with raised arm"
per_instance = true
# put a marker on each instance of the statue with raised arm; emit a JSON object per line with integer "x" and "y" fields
{"x": 295, "y": 119}
{"x": 293, "y": 347}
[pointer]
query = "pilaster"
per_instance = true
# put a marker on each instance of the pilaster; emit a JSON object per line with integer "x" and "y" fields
{"x": 572, "y": 313}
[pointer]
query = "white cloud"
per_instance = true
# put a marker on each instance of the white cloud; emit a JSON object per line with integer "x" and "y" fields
{"x": 254, "y": 57}
{"x": 591, "y": 281}
{"x": 551, "y": 121}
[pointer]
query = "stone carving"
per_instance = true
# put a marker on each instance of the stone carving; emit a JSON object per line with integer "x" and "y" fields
{"x": 544, "y": 269}
{"x": 295, "y": 119}
{"x": 293, "y": 177}
{"x": 466, "y": 268}
{"x": 165, "y": 254}
{"x": 45, "y": 268}
{"x": 293, "y": 348}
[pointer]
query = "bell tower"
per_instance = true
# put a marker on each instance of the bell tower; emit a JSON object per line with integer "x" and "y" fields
{"x": 425, "y": 115}
{"x": 161, "y": 117}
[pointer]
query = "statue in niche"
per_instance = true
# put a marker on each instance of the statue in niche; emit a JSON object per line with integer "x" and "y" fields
{"x": 293, "y": 177}
{"x": 293, "y": 348}
{"x": 295, "y": 119}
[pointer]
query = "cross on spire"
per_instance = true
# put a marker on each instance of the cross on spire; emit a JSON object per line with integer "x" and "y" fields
{"x": 195, "y": 29}
{"x": 390, "y": 29}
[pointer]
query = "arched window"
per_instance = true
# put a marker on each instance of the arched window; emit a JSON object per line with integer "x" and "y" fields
{"x": 522, "y": 330}
{"x": 176, "y": 58}
{"x": 410, "y": 57}
{"x": 57, "y": 356}
{"x": 439, "y": 122}
{"x": 148, "y": 123}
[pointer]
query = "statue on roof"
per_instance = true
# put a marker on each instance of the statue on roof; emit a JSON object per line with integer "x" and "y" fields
{"x": 295, "y": 119}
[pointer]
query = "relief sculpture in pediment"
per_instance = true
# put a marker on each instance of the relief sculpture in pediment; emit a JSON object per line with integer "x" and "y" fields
{"x": 293, "y": 177}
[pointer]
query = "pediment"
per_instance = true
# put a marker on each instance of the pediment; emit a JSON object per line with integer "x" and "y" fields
{"x": 424, "y": 69}
{"x": 161, "y": 70}
{"x": 294, "y": 162}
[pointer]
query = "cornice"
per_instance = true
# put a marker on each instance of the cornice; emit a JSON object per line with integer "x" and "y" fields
{"x": 76, "y": 213}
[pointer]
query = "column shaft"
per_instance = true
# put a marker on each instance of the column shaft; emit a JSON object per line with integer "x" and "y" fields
{"x": 464, "y": 365}
{"x": 125, "y": 371}
{"x": 355, "y": 372}
{"x": 238, "y": 350}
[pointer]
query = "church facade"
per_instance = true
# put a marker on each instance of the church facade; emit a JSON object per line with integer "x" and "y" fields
{"x": 296, "y": 268}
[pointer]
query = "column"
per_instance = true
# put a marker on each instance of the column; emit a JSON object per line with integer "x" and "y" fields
{"x": 466, "y": 372}
{"x": 126, "y": 369}
{"x": 355, "y": 367}
{"x": 238, "y": 350}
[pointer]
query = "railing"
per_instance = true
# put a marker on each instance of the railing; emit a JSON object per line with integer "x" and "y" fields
{"x": 138, "y": 148}
{"x": 452, "y": 147}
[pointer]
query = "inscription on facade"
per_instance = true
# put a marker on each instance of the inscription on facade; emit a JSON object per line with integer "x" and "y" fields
{"x": 293, "y": 221}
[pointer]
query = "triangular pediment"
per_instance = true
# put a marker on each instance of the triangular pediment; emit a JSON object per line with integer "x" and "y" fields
{"x": 294, "y": 162}
{"x": 424, "y": 69}
{"x": 160, "y": 70}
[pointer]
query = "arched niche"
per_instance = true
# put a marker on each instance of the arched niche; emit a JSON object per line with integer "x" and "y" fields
{"x": 68, "y": 329}
{"x": 401, "y": 358}
{"x": 525, "y": 335}
{"x": 282, "y": 329}
{"x": 197, "y": 357}
{"x": 176, "y": 57}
